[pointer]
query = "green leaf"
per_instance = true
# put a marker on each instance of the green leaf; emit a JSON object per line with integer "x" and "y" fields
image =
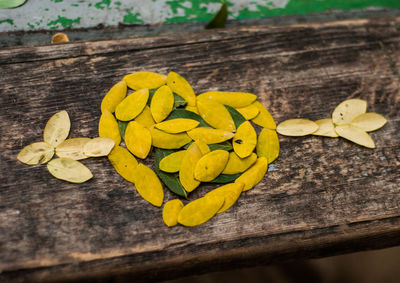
{"x": 5, "y": 4}
{"x": 238, "y": 119}
{"x": 186, "y": 146}
{"x": 225, "y": 178}
{"x": 152, "y": 91}
{"x": 178, "y": 101}
{"x": 171, "y": 180}
{"x": 122, "y": 127}
{"x": 182, "y": 113}
{"x": 219, "y": 19}
{"x": 226, "y": 145}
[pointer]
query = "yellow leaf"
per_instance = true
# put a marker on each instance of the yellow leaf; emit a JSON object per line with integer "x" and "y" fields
{"x": 199, "y": 211}
{"x": 172, "y": 162}
{"x": 211, "y": 165}
{"x": 148, "y": 80}
{"x": 180, "y": 86}
{"x": 237, "y": 165}
{"x": 165, "y": 140}
{"x": 234, "y": 99}
{"x": 171, "y": 211}
{"x": 123, "y": 162}
{"x": 210, "y": 136}
{"x": 297, "y": 127}
{"x": 186, "y": 172}
{"x": 268, "y": 145}
{"x": 178, "y": 125}
{"x": 148, "y": 185}
{"x": 132, "y": 105}
{"x": 192, "y": 109}
{"x": 162, "y": 103}
{"x": 249, "y": 112}
{"x": 347, "y": 110}
{"x": 145, "y": 118}
{"x": 36, "y": 152}
{"x": 245, "y": 140}
{"x": 216, "y": 115}
{"x": 59, "y": 37}
{"x": 355, "y": 134}
{"x": 138, "y": 139}
{"x": 204, "y": 148}
{"x": 254, "y": 175}
{"x": 264, "y": 118}
{"x": 230, "y": 193}
{"x": 57, "y": 128}
{"x": 108, "y": 127}
{"x": 114, "y": 96}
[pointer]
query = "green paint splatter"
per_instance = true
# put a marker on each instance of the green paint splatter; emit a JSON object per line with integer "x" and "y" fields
{"x": 31, "y": 26}
{"x": 130, "y": 18}
{"x": 117, "y": 3}
{"x": 182, "y": 12}
{"x": 46, "y": 9}
{"x": 57, "y": 1}
{"x": 65, "y": 22}
{"x": 193, "y": 13}
{"x": 75, "y": 5}
{"x": 63, "y": 10}
{"x": 9, "y": 21}
{"x": 301, "y": 7}
{"x": 103, "y": 4}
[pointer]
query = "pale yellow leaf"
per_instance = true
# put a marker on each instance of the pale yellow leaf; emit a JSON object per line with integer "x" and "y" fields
{"x": 297, "y": 127}
{"x": 326, "y": 128}
{"x": 356, "y": 135}
{"x": 97, "y": 147}
{"x": 347, "y": 110}
{"x": 36, "y": 152}
{"x": 69, "y": 170}
{"x": 369, "y": 121}
{"x": 57, "y": 128}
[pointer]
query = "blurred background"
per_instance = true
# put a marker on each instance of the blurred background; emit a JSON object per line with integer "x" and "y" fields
{"x": 363, "y": 267}
{"x": 34, "y": 22}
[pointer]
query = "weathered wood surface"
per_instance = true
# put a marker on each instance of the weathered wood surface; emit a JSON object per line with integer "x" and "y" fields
{"x": 324, "y": 196}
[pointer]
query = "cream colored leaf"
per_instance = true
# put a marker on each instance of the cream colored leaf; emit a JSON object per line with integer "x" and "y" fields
{"x": 97, "y": 147}
{"x": 356, "y": 135}
{"x": 326, "y": 128}
{"x": 72, "y": 148}
{"x": 297, "y": 127}
{"x": 369, "y": 121}
{"x": 57, "y": 128}
{"x": 347, "y": 110}
{"x": 69, "y": 170}
{"x": 36, "y": 152}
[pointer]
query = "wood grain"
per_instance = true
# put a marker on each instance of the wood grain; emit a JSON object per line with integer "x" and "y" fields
{"x": 321, "y": 197}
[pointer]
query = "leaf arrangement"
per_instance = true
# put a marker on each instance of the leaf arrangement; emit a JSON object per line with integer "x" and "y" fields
{"x": 205, "y": 138}
{"x": 66, "y": 167}
{"x": 350, "y": 120}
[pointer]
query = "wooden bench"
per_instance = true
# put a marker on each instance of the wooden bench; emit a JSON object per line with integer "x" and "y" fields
{"x": 322, "y": 196}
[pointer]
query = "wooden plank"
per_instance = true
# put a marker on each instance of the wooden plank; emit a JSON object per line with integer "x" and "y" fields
{"x": 272, "y": 36}
{"x": 322, "y": 196}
